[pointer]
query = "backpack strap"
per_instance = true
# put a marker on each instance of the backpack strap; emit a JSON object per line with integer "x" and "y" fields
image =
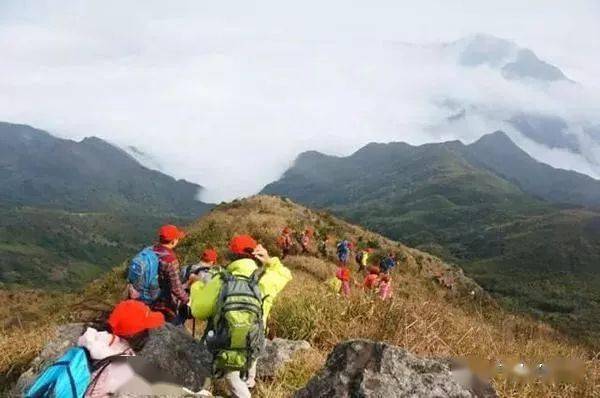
{"x": 100, "y": 366}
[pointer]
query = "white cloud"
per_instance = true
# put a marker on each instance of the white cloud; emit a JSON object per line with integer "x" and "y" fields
{"x": 226, "y": 94}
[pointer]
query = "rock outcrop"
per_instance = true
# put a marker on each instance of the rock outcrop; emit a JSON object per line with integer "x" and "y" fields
{"x": 169, "y": 349}
{"x": 174, "y": 351}
{"x": 277, "y": 353}
{"x": 370, "y": 369}
{"x": 66, "y": 337}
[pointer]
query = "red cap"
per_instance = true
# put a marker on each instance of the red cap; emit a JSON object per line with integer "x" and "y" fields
{"x": 131, "y": 317}
{"x": 374, "y": 270}
{"x": 169, "y": 233}
{"x": 286, "y": 230}
{"x": 242, "y": 244}
{"x": 209, "y": 255}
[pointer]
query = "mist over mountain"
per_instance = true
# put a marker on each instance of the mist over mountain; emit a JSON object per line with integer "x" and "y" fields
{"x": 198, "y": 96}
{"x": 506, "y": 56}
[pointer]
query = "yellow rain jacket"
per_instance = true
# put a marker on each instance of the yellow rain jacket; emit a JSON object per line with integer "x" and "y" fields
{"x": 203, "y": 297}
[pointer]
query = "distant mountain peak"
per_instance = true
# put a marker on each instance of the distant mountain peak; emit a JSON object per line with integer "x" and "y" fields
{"x": 513, "y": 61}
{"x": 527, "y": 65}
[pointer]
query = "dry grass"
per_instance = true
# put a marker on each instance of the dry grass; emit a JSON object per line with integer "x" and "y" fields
{"x": 423, "y": 317}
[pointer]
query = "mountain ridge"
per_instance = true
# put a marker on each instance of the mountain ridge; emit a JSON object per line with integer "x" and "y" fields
{"x": 39, "y": 169}
{"x": 514, "y": 224}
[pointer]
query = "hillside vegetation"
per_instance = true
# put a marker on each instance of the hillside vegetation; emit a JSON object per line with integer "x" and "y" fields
{"x": 424, "y": 316}
{"x": 71, "y": 210}
{"x": 515, "y": 225}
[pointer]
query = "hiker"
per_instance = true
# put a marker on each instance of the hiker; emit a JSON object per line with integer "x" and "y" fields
{"x": 285, "y": 242}
{"x": 372, "y": 279}
{"x": 238, "y": 303}
{"x": 204, "y": 270}
{"x": 385, "y": 287}
{"x": 127, "y": 324}
{"x": 154, "y": 275}
{"x": 343, "y": 252}
{"x": 387, "y": 263}
{"x": 322, "y": 246}
{"x": 362, "y": 258}
{"x": 305, "y": 239}
{"x": 98, "y": 367}
{"x": 343, "y": 275}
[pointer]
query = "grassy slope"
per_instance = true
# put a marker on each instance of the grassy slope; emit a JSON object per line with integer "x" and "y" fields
{"x": 423, "y": 317}
{"x": 539, "y": 257}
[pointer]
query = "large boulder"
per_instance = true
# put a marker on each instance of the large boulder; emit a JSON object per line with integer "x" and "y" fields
{"x": 177, "y": 353}
{"x": 169, "y": 349}
{"x": 368, "y": 369}
{"x": 66, "y": 337}
{"x": 277, "y": 353}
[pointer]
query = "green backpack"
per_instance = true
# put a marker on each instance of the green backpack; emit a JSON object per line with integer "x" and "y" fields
{"x": 238, "y": 331}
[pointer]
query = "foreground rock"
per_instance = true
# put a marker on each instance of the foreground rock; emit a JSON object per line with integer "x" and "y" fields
{"x": 369, "y": 369}
{"x": 66, "y": 337}
{"x": 170, "y": 349}
{"x": 277, "y": 353}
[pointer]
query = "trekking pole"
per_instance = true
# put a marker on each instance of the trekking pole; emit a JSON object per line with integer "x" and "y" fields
{"x": 193, "y": 328}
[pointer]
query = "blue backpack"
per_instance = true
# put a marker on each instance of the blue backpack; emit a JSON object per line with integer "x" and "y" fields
{"x": 387, "y": 263}
{"x": 343, "y": 247}
{"x": 143, "y": 275}
{"x": 69, "y": 377}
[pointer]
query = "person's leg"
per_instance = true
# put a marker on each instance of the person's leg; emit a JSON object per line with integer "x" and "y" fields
{"x": 237, "y": 387}
{"x": 251, "y": 382}
{"x": 346, "y": 288}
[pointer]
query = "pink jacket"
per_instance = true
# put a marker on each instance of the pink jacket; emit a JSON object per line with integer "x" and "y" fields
{"x": 102, "y": 345}
{"x": 385, "y": 290}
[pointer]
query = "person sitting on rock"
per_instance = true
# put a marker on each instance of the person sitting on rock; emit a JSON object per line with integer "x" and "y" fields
{"x": 128, "y": 325}
{"x": 237, "y": 305}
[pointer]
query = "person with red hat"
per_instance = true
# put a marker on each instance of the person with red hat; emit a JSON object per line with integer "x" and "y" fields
{"x": 202, "y": 271}
{"x": 172, "y": 291}
{"x": 285, "y": 242}
{"x": 251, "y": 262}
{"x": 127, "y": 324}
{"x": 305, "y": 239}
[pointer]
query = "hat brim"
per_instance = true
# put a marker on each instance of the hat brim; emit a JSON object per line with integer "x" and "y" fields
{"x": 154, "y": 320}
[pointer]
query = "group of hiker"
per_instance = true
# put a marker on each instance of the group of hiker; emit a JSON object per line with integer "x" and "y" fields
{"x": 377, "y": 278}
{"x": 288, "y": 238}
{"x": 233, "y": 297}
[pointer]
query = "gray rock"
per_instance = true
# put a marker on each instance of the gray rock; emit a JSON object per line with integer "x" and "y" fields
{"x": 174, "y": 351}
{"x": 277, "y": 353}
{"x": 169, "y": 349}
{"x": 362, "y": 368}
{"x": 67, "y": 336}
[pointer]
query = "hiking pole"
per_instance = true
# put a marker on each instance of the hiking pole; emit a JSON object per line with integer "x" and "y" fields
{"x": 193, "y": 328}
